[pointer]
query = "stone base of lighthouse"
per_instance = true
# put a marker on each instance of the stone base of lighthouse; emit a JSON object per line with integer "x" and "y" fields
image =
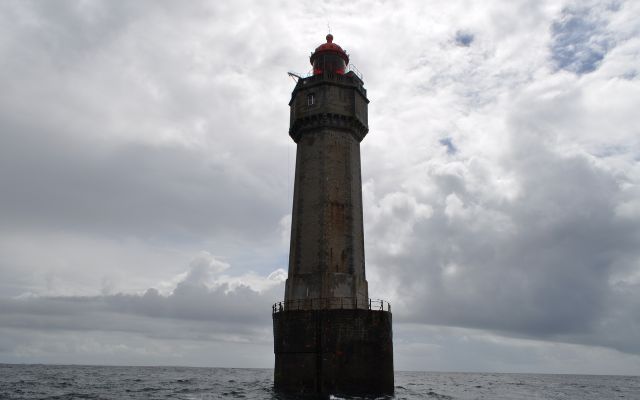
{"x": 333, "y": 351}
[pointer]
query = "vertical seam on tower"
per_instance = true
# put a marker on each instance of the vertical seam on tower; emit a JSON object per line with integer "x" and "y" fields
{"x": 350, "y": 237}
{"x": 323, "y": 206}
{"x": 299, "y": 173}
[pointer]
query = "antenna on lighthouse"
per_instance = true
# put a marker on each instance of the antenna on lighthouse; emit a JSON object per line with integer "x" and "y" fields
{"x": 294, "y": 76}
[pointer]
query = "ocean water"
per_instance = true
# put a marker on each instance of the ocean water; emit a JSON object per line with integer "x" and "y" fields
{"x": 102, "y": 382}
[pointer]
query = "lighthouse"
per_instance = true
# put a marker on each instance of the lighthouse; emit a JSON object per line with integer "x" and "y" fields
{"x": 330, "y": 337}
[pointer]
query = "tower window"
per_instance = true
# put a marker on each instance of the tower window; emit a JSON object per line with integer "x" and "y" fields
{"x": 311, "y": 99}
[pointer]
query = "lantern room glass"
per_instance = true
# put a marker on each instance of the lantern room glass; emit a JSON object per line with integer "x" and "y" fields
{"x": 329, "y": 62}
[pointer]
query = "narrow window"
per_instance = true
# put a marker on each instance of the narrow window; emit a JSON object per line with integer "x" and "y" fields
{"x": 311, "y": 100}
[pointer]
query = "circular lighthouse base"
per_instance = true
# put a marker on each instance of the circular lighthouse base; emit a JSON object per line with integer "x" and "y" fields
{"x": 333, "y": 351}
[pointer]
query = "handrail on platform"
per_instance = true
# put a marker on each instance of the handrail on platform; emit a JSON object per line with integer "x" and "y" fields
{"x": 334, "y": 303}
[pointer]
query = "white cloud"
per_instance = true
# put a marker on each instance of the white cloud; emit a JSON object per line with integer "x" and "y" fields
{"x": 501, "y": 178}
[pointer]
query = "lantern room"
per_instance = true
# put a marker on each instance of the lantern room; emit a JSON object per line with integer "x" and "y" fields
{"x": 329, "y": 57}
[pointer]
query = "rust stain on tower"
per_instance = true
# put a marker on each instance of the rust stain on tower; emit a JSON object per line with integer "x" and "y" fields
{"x": 329, "y": 336}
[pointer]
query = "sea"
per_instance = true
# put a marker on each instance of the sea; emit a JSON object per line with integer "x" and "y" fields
{"x": 107, "y": 382}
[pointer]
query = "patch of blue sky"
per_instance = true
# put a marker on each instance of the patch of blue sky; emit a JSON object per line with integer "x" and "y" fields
{"x": 464, "y": 38}
{"x": 579, "y": 40}
{"x": 448, "y": 143}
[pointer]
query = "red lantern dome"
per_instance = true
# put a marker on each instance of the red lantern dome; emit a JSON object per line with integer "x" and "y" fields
{"x": 329, "y": 57}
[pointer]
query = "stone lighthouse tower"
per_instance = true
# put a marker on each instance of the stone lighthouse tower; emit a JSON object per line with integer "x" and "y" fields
{"x": 329, "y": 336}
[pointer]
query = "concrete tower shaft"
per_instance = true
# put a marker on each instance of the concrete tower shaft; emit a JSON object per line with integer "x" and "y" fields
{"x": 328, "y": 121}
{"x": 328, "y": 336}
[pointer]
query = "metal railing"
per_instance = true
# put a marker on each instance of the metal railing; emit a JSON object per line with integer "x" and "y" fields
{"x": 309, "y": 73}
{"x": 355, "y": 70}
{"x": 334, "y": 303}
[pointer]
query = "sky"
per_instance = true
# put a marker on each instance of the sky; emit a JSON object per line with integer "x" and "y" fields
{"x": 146, "y": 179}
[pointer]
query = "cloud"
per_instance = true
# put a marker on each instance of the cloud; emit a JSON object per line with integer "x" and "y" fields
{"x": 464, "y": 350}
{"x": 523, "y": 241}
{"x": 205, "y": 310}
{"x": 203, "y": 268}
{"x": 145, "y": 178}
{"x": 204, "y": 304}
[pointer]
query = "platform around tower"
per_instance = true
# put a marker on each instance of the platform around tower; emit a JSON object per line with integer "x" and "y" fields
{"x": 333, "y": 351}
